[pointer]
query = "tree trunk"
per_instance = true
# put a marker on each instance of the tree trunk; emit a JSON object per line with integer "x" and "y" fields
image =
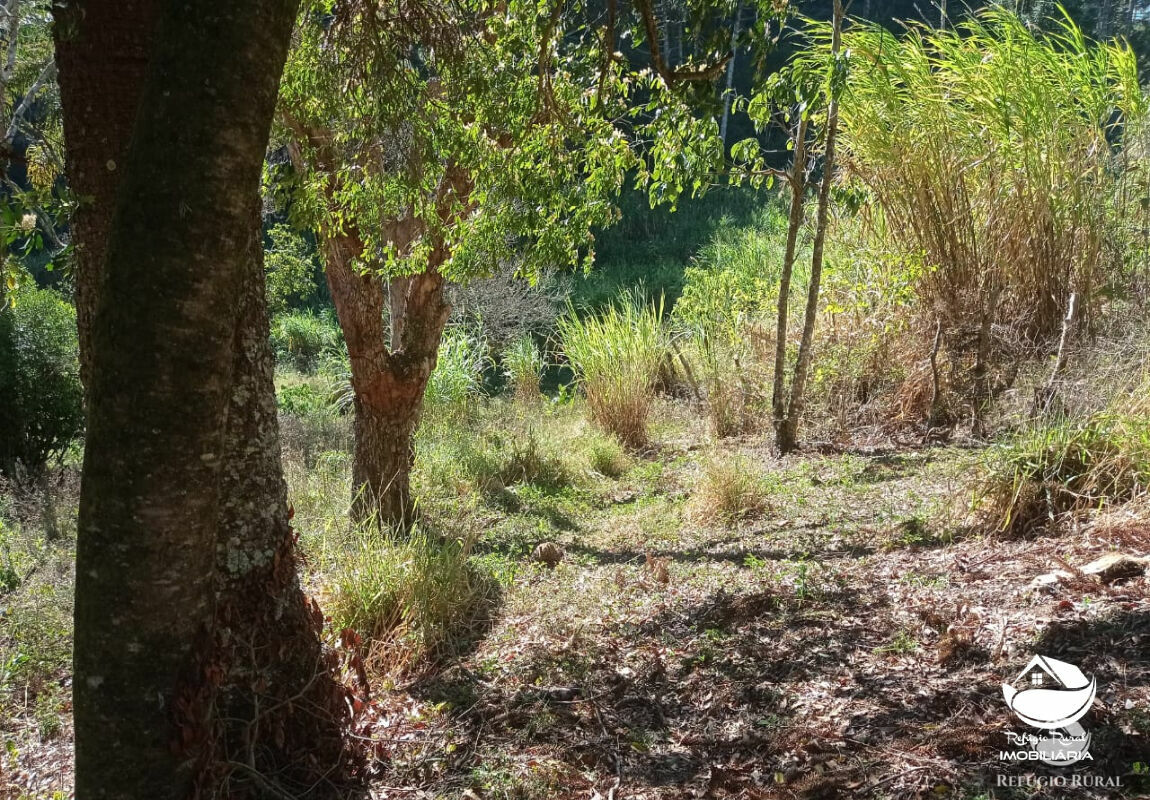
{"x": 798, "y": 183}
{"x": 730, "y": 74}
{"x": 102, "y": 54}
{"x": 281, "y": 709}
{"x": 787, "y": 434}
{"x": 184, "y": 562}
{"x": 389, "y": 374}
{"x": 388, "y": 383}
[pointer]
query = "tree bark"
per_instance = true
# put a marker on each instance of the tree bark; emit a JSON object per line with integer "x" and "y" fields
{"x": 730, "y": 74}
{"x": 389, "y": 370}
{"x": 102, "y": 53}
{"x": 388, "y": 383}
{"x": 188, "y": 607}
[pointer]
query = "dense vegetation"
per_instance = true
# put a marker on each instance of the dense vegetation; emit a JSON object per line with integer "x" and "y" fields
{"x": 602, "y": 399}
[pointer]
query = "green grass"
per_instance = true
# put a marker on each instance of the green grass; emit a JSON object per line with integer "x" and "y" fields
{"x": 1060, "y": 465}
{"x": 419, "y": 594}
{"x": 616, "y": 355}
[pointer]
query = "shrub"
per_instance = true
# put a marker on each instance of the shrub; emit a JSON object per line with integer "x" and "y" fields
{"x": 302, "y": 338}
{"x": 41, "y": 400}
{"x": 523, "y": 365}
{"x": 734, "y": 280}
{"x": 734, "y": 376}
{"x": 418, "y": 595}
{"x": 616, "y": 355}
{"x": 458, "y": 374}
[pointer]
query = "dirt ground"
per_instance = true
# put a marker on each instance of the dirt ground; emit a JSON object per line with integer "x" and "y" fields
{"x": 849, "y": 640}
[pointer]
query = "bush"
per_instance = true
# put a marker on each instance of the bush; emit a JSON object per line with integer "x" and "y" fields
{"x": 488, "y": 460}
{"x": 616, "y": 355}
{"x": 417, "y": 594}
{"x": 41, "y": 399}
{"x": 523, "y": 366}
{"x": 301, "y": 339}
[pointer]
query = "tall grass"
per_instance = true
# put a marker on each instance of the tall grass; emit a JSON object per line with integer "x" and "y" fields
{"x": 989, "y": 148}
{"x": 458, "y": 374}
{"x": 616, "y": 354}
{"x": 1066, "y": 464}
{"x": 523, "y": 366}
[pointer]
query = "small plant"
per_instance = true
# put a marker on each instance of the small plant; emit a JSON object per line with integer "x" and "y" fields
{"x": 616, "y": 355}
{"x": 523, "y": 365}
{"x": 903, "y": 643}
{"x": 731, "y": 489}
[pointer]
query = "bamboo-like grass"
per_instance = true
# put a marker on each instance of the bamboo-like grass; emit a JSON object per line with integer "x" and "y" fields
{"x": 990, "y": 149}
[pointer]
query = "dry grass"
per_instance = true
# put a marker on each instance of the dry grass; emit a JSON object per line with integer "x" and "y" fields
{"x": 731, "y": 488}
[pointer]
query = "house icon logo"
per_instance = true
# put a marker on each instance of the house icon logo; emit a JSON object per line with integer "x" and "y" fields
{"x": 1050, "y": 695}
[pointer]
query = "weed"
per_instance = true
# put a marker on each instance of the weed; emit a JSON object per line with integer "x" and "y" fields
{"x": 458, "y": 374}
{"x": 903, "y": 643}
{"x": 302, "y": 338}
{"x": 606, "y": 456}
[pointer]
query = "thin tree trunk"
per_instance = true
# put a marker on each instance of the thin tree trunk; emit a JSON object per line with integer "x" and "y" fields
{"x": 798, "y": 184}
{"x": 183, "y": 532}
{"x": 787, "y": 434}
{"x": 730, "y": 74}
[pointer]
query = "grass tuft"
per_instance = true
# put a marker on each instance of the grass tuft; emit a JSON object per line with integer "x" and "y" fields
{"x": 616, "y": 355}
{"x": 412, "y": 597}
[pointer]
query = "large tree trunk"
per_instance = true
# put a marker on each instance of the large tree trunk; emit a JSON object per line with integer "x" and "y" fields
{"x": 102, "y": 52}
{"x": 196, "y": 651}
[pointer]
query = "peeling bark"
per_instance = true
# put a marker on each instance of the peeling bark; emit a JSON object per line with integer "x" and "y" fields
{"x": 388, "y": 383}
{"x": 389, "y": 369}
